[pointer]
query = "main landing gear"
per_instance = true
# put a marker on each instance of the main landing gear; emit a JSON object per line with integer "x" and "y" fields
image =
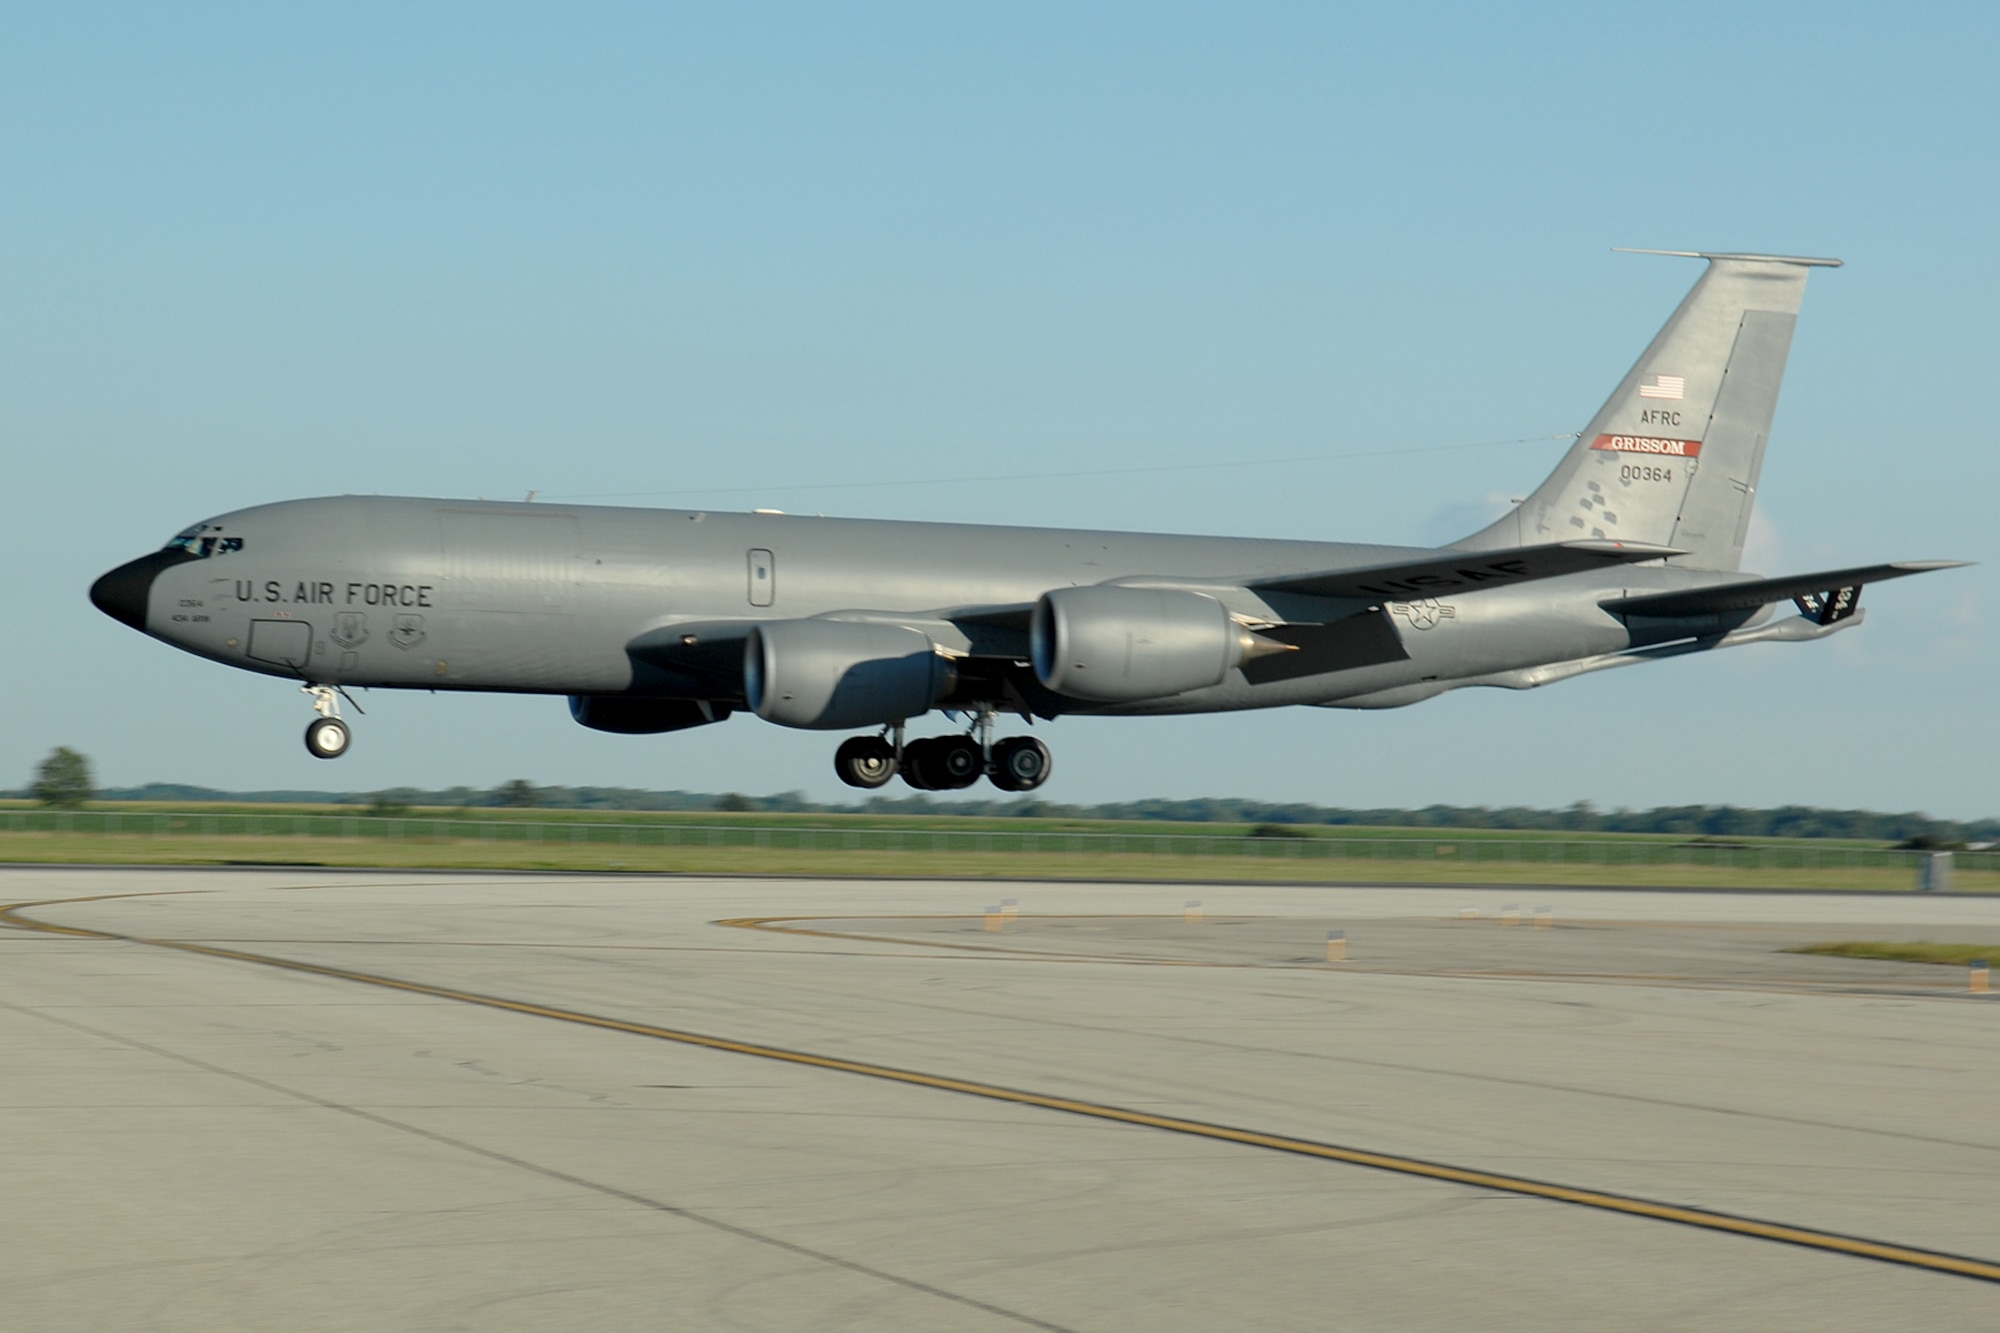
{"x": 944, "y": 763}
{"x": 327, "y": 736}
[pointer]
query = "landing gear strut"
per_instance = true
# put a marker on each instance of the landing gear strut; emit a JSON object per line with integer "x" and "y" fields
{"x": 327, "y": 735}
{"x": 1019, "y": 763}
{"x": 944, "y": 763}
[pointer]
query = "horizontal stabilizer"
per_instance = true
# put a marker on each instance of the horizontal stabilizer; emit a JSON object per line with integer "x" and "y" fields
{"x": 1452, "y": 572}
{"x": 1804, "y": 261}
{"x": 1750, "y": 594}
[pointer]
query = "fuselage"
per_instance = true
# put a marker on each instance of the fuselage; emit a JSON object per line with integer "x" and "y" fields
{"x": 467, "y": 595}
{"x": 654, "y": 620}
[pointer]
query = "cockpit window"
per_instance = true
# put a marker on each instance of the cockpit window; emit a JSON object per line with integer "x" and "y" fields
{"x": 198, "y": 542}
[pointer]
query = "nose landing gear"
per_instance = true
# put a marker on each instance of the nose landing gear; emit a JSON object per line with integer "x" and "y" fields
{"x": 327, "y": 735}
{"x": 944, "y": 763}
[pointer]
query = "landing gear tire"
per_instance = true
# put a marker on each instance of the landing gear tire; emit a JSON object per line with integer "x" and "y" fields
{"x": 1020, "y": 763}
{"x": 865, "y": 761}
{"x": 942, "y": 763}
{"x": 913, "y": 766}
{"x": 956, "y": 762}
{"x": 327, "y": 738}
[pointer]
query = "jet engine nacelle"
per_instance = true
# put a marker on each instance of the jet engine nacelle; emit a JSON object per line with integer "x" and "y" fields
{"x": 834, "y": 675}
{"x": 1118, "y": 645}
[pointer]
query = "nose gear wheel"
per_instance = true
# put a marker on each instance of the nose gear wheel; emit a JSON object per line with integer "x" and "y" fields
{"x": 327, "y": 738}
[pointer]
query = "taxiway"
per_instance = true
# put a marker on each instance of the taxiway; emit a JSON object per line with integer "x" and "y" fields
{"x": 340, "y": 1100}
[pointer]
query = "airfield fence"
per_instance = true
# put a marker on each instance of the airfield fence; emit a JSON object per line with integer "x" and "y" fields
{"x": 1800, "y": 854}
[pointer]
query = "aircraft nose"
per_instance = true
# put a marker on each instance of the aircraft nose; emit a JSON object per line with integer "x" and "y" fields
{"x": 123, "y": 593}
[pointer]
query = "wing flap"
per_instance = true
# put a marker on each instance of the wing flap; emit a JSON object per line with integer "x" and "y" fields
{"x": 1450, "y": 573}
{"x": 1749, "y": 594}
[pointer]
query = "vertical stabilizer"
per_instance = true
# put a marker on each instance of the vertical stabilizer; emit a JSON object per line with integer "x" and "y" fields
{"x": 1672, "y": 458}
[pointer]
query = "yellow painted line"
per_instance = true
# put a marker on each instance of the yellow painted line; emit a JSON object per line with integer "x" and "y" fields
{"x": 1986, "y": 1270}
{"x": 7, "y": 916}
{"x": 781, "y": 925}
{"x": 777, "y": 925}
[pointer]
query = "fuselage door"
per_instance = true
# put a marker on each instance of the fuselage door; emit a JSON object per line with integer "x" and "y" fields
{"x": 286, "y": 643}
{"x": 763, "y": 577}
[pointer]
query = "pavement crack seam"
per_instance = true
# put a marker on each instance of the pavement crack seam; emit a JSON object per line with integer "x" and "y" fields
{"x": 1860, "y": 1247}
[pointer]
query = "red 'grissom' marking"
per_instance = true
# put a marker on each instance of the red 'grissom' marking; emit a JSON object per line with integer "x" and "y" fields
{"x": 1649, "y": 444}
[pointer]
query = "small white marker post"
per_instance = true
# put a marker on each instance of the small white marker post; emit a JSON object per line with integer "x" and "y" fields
{"x": 1336, "y": 946}
{"x": 1980, "y": 977}
{"x": 1510, "y": 914}
{"x": 1193, "y": 912}
{"x": 1545, "y": 916}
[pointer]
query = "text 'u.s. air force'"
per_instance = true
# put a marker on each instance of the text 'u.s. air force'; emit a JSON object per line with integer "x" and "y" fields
{"x": 311, "y": 593}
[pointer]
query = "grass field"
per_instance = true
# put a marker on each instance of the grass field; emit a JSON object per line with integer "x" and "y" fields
{"x": 941, "y": 846}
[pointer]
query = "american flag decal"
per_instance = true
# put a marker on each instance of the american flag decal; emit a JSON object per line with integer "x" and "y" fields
{"x": 1665, "y": 386}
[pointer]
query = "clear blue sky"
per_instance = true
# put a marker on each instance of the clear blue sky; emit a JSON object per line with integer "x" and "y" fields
{"x": 729, "y": 256}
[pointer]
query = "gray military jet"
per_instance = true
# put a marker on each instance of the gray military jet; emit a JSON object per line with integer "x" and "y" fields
{"x": 658, "y": 620}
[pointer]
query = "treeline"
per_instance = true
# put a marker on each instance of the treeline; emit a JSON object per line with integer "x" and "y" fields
{"x": 1715, "y": 821}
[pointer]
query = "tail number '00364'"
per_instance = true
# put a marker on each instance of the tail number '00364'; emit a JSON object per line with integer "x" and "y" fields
{"x": 1644, "y": 472}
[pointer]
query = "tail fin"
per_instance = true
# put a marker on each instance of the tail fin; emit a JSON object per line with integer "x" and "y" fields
{"x": 1672, "y": 458}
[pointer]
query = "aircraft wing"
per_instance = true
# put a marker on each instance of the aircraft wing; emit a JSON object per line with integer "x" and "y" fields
{"x": 1753, "y": 593}
{"x": 1454, "y": 572}
{"x": 1444, "y": 573}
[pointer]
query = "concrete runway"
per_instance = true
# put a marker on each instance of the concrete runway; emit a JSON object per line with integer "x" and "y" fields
{"x": 582, "y": 1103}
